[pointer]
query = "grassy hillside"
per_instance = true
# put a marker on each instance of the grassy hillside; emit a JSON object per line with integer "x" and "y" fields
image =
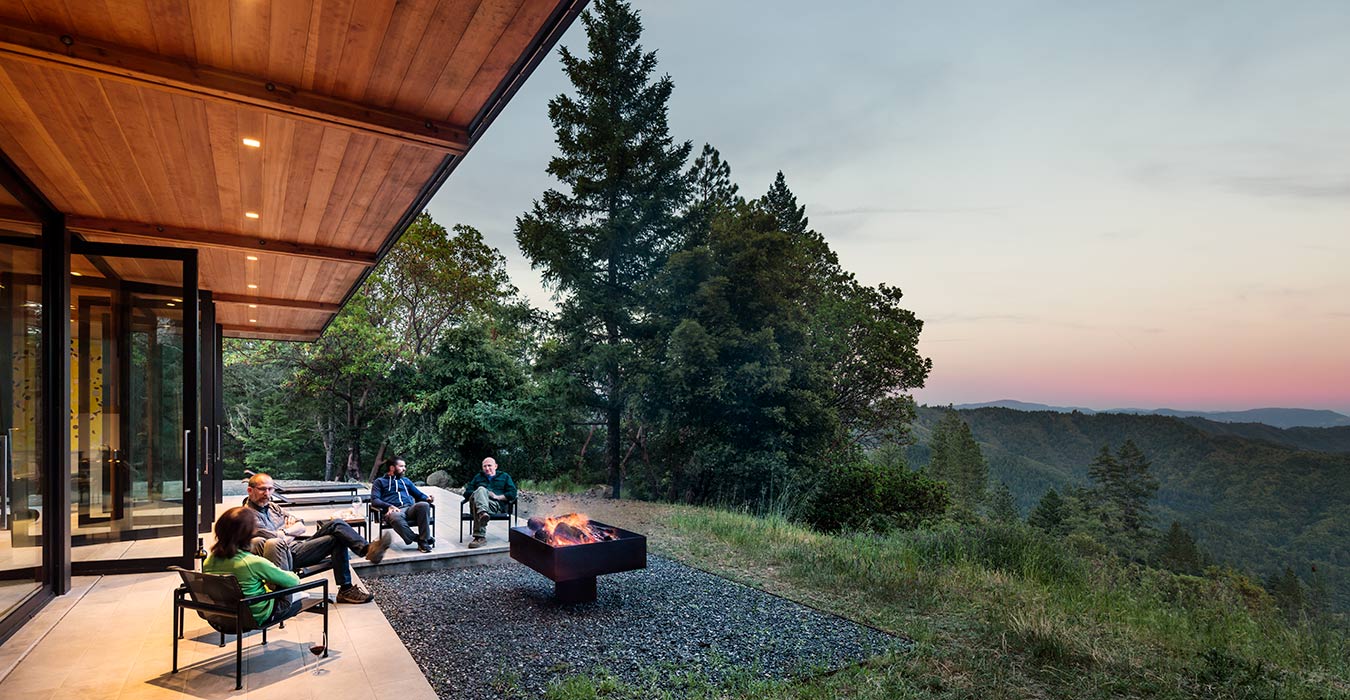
{"x": 997, "y": 612}
{"x": 1256, "y": 504}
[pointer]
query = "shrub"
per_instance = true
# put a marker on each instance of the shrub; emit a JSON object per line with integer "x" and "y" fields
{"x": 862, "y": 495}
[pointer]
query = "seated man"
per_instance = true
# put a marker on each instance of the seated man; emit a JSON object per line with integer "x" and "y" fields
{"x": 489, "y": 491}
{"x": 275, "y": 539}
{"x": 401, "y": 501}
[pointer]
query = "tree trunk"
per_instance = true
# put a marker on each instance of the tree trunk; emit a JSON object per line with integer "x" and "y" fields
{"x": 612, "y": 445}
{"x": 379, "y": 457}
{"x": 329, "y": 440}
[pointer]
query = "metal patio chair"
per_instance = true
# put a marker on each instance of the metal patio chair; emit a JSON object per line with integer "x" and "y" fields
{"x": 218, "y": 599}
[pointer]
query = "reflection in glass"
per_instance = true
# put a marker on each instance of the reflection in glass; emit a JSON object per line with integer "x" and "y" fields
{"x": 20, "y": 421}
{"x": 127, "y": 433}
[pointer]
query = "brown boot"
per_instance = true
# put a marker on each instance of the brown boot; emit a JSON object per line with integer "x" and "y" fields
{"x": 375, "y": 550}
{"x": 477, "y": 542}
{"x": 353, "y": 594}
{"x": 480, "y": 521}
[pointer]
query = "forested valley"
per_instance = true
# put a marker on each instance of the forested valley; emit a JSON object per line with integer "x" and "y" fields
{"x": 1259, "y": 498}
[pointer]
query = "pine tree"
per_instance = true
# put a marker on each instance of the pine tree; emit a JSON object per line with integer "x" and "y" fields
{"x": 1138, "y": 488}
{"x": 1049, "y": 515}
{"x": 958, "y": 461}
{"x": 1122, "y": 490}
{"x": 1287, "y": 591}
{"x": 782, "y": 204}
{"x": 711, "y": 193}
{"x": 1179, "y": 553}
{"x": 1002, "y": 505}
{"x": 601, "y": 243}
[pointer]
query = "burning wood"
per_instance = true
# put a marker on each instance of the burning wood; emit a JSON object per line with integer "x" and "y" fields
{"x": 569, "y": 529}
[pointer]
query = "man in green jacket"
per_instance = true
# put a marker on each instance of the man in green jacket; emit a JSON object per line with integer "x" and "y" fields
{"x": 488, "y": 492}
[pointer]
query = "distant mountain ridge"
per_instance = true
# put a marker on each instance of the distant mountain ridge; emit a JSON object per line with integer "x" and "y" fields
{"x": 1276, "y": 417}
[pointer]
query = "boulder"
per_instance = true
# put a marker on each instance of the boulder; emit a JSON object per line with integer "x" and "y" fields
{"x": 439, "y": 478}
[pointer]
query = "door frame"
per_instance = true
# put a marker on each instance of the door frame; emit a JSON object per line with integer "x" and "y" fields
{"x": 191, "y": 391}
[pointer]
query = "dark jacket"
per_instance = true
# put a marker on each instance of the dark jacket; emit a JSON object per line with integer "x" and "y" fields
{"x": 500, "y": 484}
{"x": 397, "y": 491}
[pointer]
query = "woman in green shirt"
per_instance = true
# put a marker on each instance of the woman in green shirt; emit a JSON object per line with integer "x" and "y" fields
{"x": 229, "y": 555}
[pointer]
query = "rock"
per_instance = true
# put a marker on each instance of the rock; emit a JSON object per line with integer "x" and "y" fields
{"x": 600, "y": 491}
{"x": 439, "y": 478}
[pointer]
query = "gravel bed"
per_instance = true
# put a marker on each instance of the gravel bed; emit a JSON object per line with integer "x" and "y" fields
{"x": 645, "y": 627}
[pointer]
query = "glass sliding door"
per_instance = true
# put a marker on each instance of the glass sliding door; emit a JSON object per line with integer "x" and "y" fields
{"x": 133, "y": 469}
{"x": 21, "y": 421}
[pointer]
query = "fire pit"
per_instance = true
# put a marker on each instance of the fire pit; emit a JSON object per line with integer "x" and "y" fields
{"x": 572, "y": 550}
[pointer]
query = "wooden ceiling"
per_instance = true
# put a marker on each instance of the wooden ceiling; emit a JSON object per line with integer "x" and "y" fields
{"x": 288, "y": 141}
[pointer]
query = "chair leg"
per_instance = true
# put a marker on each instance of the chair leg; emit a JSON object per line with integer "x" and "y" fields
{"x": 264, "y": 636}
{"x": 239, "y": 661}
{"x": 222, "y": 639}
{"x": 176, "y": 634}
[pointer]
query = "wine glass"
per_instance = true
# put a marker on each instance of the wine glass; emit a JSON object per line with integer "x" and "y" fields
{"x": 317, "y": 650}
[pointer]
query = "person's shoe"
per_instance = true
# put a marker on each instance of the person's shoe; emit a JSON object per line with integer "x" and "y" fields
{"x": 431, "y": 542}
{"x": 375, "y": 550}
{"x": 423, "y": 547}
{"x": 481, "y": 521}
{"x": 353, "y": 594}
{"x": 477, "y": 542}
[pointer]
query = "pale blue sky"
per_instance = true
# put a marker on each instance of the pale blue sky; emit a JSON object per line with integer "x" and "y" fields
{"x": 1099, "y": 204}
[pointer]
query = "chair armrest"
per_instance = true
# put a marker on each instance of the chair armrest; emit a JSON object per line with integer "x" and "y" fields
{"x": 285, "y": 592}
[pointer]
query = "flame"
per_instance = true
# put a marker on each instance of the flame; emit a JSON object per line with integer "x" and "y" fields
{"x": 569, "y": 529}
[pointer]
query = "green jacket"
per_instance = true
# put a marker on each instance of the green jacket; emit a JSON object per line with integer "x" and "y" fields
{"x": 500, "y": 484}
{"x": 255, "y": 574}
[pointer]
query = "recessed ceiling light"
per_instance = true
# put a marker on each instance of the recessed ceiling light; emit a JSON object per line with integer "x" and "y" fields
{"x": 253, "y": 286}
{"x": 77, "y": 274}
{"x": 252, "y": 306}
{"x": 251, "y": 214}
{"x": 253, "y": 320}
{"x": 169, "y": 304}
{"x": 251, "y": 257}
{"x": 178, "y": 300}
{"x": 253, "y": 143}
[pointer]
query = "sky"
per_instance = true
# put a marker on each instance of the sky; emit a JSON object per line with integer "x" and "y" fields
{"x": 1108, "y": 204}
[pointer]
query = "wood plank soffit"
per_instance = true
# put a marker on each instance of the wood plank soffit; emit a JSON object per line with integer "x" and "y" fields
{"x": 179, "y": 76}
{"x": 216, "y": 239}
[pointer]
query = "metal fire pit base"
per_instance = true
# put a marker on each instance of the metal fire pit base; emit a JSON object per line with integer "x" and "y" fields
{"x": 578, "y": 590}
{"x": 573, "y": 568}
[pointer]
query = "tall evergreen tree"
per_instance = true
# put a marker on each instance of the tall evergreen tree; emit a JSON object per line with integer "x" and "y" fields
{"x": 782, "y": 205}
{"x": 1179, "y": 553}
{"x": 1139, "y": 487}
{"x": 711, "y": 193}
{"x": 957, "y": 460}
{"x": 1002, "y": 505}
{"x": 601, "y": 243}
{"x": 1122, "y": 489}
{"x": 1049, "y": 516}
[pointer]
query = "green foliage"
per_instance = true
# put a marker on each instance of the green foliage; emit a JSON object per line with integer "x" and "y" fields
{"x": 1287, "y": 591}
{"x": 1005, "y": 611}
{"x": 1256, "y": 504}
{"x": 1002, "y": 508}
{"x": 957, "y": 460}
{"x": 1178, "y": 552}
{"x": 326, "y": 409}
{"x": 873, "y": 496}
{"x": 601, "y": 243}
{"x": 1049, "y": 516}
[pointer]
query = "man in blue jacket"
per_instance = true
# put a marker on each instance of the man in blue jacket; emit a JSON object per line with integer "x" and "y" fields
{"x": 401, "y": 501}
{"x": 489, "y": 491}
